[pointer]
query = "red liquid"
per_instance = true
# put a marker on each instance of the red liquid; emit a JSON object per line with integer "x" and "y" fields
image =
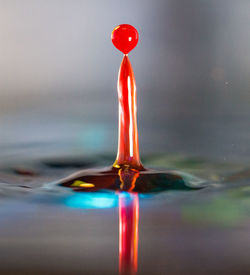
{"x": 127, "y": 172}
{"x": 127, "y": 165}
{"x": 125, "y": 38}
{"x": 128, "y": 233}
{"x": 128, "y": 145}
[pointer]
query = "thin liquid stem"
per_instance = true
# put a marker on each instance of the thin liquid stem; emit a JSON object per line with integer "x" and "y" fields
{"x": 128, "y": 145}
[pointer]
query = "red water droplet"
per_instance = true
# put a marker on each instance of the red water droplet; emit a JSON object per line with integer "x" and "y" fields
{"x": 125, "y": 38}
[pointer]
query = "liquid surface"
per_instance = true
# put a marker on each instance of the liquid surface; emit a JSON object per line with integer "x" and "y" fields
{"x": 148, "y": 181}
{"x": 80, "y": 227}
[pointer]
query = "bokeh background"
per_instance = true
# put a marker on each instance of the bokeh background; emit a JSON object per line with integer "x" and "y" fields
{"x": 58, "y": 73}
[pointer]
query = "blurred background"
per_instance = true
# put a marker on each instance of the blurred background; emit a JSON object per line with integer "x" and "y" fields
{"x": 58, "y": 74}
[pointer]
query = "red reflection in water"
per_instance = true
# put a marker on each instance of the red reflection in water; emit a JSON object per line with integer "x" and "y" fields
{"x": 128, "y": 233}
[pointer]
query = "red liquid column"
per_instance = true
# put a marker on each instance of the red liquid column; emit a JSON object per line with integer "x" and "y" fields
{"x": 128, "y": 145}
{"x": 128, "y": 233}
{"x": 125, "y": 38}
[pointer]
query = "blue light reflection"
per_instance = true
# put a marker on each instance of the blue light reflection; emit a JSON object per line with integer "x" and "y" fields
{"x": 94, "y": 200}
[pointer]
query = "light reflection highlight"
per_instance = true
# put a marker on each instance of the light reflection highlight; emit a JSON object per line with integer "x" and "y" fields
{"x": 92, "y": 200}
